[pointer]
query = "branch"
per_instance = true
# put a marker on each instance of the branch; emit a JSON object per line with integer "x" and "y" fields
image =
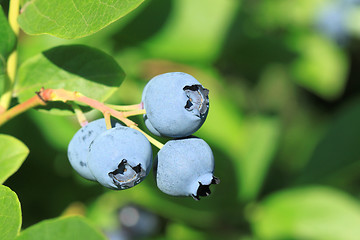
{"x": 52, "y": 95}
{"x": 35, "y": 101}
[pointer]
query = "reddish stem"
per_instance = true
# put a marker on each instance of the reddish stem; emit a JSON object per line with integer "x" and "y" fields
{"x": 20, "y": 108}
{"x": 47, "y": 95}
{"x": 64, "y": 96}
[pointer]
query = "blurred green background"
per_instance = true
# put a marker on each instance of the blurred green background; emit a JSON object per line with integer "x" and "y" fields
{"x": 284, "y": 122}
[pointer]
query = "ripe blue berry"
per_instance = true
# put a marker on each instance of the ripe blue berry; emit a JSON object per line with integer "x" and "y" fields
{"x": 146, "y": 120}
{"x": 176, "y": 104}
{"x": 79, "y": 146}
{"x": 332, "y": 19}
{"x": 120, "y": 158}
{"x": 185, "y": 168}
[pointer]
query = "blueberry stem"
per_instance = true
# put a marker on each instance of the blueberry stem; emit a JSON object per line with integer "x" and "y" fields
{"x": 152, "y": 140}
{"x": 49, "y": 95}
{"x": 126, "y": 107}
{"x": 107, "y": 120}
{"x": 65, "y": 96}
{"x": 79, "y": 114}
{"x": 134, "y": 112}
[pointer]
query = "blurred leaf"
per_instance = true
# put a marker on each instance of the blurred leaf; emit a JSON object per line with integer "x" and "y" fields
{"x": 10, "y": 213}
{"x": 194, "y": 31}
{"x": 7, "y": 37}
{"x": 3, "y": 77}
{"x": 353, "y": 21}
{"x": 248, "y": 38}
{"x": 12, "y": 154}
{"x": 59, "y": 136}
{"x": 7, "y": 45}
{"x": 321, "y": 67}
{"x": 104, "y": 211}
{"x": 176, "y": 231}
{"x": 72, "y": 19}
{"x": 72, "y": 67}
{"x": 283, "y": 14}
{"x": 250, "y": 142}
{"x": 261, "y": 141}
{"x": 338, "y": 152}
{"x": 141, "y": 24}
{"x": 307, "y": 213}
{"x": 66, "y": 228}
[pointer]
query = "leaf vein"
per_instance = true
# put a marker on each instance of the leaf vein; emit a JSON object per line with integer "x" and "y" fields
{"x": 81, "y": 14}
{"x": 46, "y": 17}
{"x": 108, "y": 5}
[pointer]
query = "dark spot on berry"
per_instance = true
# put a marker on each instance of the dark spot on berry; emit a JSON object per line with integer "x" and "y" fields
{"x": 90, "y": 133}
{"x": 83, "y": 164}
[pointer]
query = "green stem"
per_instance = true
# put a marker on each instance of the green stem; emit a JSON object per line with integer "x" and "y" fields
{"x": 134, "y": 113}
{"x": 153, "y": 141}
{"x": 14, "y": 10}
{"x": 107, "y": 117}
{"x": 12, "y": 60}
{"x": 50, "y": 95}
{"x": 126, "y": 107}
{"x": 79, "y": 114}
{"x": 64, "y": 96}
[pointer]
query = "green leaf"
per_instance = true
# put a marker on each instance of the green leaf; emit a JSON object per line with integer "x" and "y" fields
{"x": 195, "y": 30}
{"x": 104, "y": 211}
{"x": 249, "y": 141}
{"x": 67, "y": 228}
{"x": 64, "y": 130}
{"x": 12, "y": 154}
{"x": 308, "y": 213}
{"x": 10, "y": 213}
{"x": 70, "y": 18}
{"x": 337, "y": 154}
{"x": 321, "y": 66}
{"x": 3, "y": 77}
{"x": 281, "y": 13}
{"x": 262, "y": 137}
{"x": 177, "y": 231}
{"x": 7, "y": 45}
{"x": 72, "y": 67}
{"x": 7, "y": 37}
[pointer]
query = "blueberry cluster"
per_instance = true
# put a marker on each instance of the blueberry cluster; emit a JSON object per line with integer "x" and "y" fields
{"x": 118, "y": 158}
{"x": 176, "y": 106}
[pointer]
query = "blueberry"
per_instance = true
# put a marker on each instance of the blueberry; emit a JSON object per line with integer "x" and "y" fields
{"x": 185, "y": 168}
{"x": 146, "y": 120}
{"x": 120, "y": 158}
{"x": 176, "y": 104}
{"x": 79, "y": 146}
{"x": 333, "y": 19}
